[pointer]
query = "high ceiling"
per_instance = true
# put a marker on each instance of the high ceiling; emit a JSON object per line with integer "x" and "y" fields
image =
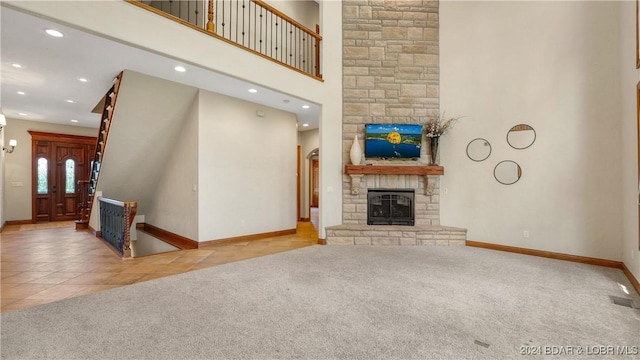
{"x": 47, "y": 87}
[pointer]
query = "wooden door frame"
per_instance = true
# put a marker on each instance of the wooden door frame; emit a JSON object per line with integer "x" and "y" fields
{"x": 298, "y": 184}
{"x": 311, "y": 176}
{"x": 52, "y": 137}
{"x": 638, "y": 140}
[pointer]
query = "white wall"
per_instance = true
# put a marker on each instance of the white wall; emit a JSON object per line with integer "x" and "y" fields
{"x": 174, "y": 205}
{"x": 630, "y": 77}
{"x": 156, "y": 33}
{"x": 308, "y": 140}
{"x": 247, "y": 168}
{"x": 17, "y": 165}
{"x": 554, "y": 66}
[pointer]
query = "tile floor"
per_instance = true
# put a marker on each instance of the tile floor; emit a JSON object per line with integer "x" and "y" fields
{"x": 43, "y": 263}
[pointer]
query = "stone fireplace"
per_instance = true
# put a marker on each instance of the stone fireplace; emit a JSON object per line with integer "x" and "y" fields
{"x": 427, "y": 229}
{"x": 390, "y": 76}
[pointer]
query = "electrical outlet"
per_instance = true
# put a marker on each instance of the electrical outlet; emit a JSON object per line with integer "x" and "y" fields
{"x": 525, "y": 234}
{"x": 446, "y": 191}
{"x": 243, "y": 223}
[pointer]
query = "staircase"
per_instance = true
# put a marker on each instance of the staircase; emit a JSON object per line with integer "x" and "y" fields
{"x": 107, "y": 114}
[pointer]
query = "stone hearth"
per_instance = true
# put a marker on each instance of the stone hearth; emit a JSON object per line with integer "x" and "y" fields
{"x": 395, "y": 235}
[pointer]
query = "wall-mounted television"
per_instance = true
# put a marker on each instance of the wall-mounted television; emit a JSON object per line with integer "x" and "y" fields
{"x": 392, "y": 140}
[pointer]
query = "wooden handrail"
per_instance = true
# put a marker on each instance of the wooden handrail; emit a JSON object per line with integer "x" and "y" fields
{"x": 119, "y": 203}
{"x": 285, "y": 17}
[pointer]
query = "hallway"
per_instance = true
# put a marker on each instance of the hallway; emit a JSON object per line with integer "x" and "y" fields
{"x": 43, "y": 263}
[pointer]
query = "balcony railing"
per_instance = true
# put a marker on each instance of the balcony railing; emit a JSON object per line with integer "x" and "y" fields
{"x": 116, "y": 218}
{"x": 251, "y": 24}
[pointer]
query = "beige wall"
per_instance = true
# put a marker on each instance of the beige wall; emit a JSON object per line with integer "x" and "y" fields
{"x": 630, "y": 77}
{"x": 554, "y": 66}
{"x": 303, "y": 11}
{"x": 145, "y": 128}
{"x": 17, "y": 165}
{"x": 247, "y": 168}
{"x": 174, "y": 205}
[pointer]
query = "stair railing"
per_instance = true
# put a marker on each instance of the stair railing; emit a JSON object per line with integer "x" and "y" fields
{"x": 251, "y": 24}
{"x": 116, "y": 218}
{"x": 103, "y": 133}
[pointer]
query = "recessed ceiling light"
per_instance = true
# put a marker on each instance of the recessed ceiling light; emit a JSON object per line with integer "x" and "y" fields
{"x": 54, "y": 33}
{"x": 70, "y": 101}
{"x": 23, "y": 114}
{"x": 286, "y": 101}
{"x": 16, "y": 65}
{"x": 81, "y": 79}
{"x": 21, "y": 93}
{"x": 305, "y": 125}
{"x": 305, "y": 106}
{"x": 74, "y": 120}
{"x": 179, "y": 69}
{"x": 253, "y": 91}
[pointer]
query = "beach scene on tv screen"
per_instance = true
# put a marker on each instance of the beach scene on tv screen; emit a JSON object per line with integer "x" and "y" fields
{"x": 392, "y": 140}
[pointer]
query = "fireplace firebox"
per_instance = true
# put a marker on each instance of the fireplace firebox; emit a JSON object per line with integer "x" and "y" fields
{"x": 391, "y": 207}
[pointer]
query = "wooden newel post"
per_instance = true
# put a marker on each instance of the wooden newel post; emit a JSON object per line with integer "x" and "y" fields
{"x": 210, "y": 25}
{"x": 130, "y": 210}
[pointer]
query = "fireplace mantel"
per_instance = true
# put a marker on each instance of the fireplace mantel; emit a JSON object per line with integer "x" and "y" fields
{"x": 393, "y": 170}
{"x": 356, "y": 172}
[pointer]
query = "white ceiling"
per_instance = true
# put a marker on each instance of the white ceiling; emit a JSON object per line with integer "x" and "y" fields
{"x": 52, "y": 66}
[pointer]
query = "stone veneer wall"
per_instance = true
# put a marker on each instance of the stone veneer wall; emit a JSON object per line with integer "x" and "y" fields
{"x": 390, "y": 75}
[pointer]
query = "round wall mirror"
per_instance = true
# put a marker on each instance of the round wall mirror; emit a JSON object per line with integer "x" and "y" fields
{"x": 507, "y": 172}
{"x": 521, "y": 136}
{"x": 478, "y": 149}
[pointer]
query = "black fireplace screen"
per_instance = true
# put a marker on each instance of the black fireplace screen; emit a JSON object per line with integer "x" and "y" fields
{"x": 390, "y": 207}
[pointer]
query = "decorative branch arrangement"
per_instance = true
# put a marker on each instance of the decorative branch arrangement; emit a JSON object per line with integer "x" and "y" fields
{"x": 438, "y": 126}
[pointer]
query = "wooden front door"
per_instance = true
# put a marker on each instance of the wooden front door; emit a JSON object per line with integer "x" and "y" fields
{"x": 59, "y": 162}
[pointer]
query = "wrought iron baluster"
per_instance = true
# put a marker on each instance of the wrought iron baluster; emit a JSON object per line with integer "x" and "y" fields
{"x": 223, "y": 19}
{"x": 261, "y": 17}
{"x": 237, "y": 20}
{"x": 243, "y": 18}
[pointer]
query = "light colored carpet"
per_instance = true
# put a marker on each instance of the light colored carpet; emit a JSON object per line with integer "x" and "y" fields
{"x": 345, "y": 302}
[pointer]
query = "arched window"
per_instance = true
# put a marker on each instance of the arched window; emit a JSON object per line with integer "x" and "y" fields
{"x": 70, "y": 176}
{"x": 43, "y": 176}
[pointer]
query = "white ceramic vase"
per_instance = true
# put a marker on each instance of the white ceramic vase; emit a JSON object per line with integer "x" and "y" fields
{"x": 356, "y": 152}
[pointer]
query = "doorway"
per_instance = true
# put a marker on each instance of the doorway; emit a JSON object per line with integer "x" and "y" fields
{"x": 59, "y": 161}
{"x": 315, "y": 181}
{"x": 314, "y": 186}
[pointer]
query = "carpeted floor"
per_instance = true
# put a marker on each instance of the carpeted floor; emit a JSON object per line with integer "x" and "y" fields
{"x": 334, "y": 302}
